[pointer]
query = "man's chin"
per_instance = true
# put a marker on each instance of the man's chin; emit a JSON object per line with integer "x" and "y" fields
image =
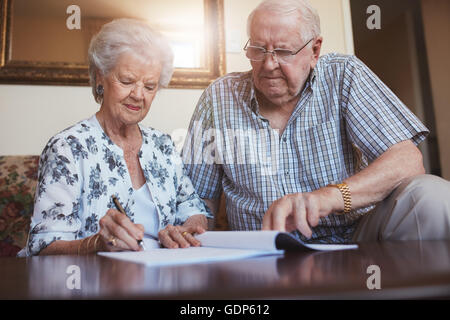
{"x": 276, "y": 97}
{"x": 272, "y": 92}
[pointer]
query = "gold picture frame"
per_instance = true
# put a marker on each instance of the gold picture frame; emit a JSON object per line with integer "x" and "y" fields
{"x": 20, "y": 71}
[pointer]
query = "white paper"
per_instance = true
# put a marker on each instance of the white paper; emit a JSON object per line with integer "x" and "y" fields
{"x": 163, "y": 257}
{"x": 259, "y": 240}
{"x": 216, "y": 246}
{"x": 330, "y": 247}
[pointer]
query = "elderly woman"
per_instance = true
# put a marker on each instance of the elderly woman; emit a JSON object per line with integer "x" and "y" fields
{"x": 110, "y": 155}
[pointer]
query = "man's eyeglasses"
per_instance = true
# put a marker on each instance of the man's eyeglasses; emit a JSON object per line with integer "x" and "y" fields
{"x": 282, "y": 56}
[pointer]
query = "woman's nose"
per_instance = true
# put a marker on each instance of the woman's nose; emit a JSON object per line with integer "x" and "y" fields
{"x": 137, "y": 92}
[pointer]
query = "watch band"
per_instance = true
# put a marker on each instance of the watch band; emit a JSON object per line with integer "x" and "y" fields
{"x": 345, "y": 191}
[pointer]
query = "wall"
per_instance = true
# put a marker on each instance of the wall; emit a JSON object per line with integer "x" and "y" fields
{"x": 395, "y": 54}
{"x": 31, "y": 114}
{"x": 435, "y": 14}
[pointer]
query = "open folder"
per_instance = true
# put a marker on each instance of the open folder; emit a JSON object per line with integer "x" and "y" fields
{"x": 222, "y": 246}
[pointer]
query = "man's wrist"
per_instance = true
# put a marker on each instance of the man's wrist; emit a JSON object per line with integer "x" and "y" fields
{"x": 342, "y": 192}
{"x": 335, "y": 198}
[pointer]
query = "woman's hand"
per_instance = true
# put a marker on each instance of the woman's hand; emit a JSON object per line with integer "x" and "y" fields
{"x": 118, "y": 232}
{"x": 173, "y": 237}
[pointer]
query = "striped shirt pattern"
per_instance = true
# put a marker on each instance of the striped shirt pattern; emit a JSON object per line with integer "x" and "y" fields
{"x": 345, "y": 119}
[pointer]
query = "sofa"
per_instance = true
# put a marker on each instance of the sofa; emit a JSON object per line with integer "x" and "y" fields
{"x": 18, "y": 181}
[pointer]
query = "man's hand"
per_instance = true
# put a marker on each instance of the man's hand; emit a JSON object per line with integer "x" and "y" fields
{"x": 302, "y": 210}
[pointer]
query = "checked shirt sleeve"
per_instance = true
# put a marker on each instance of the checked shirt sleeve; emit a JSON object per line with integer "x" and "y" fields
{"x": 188, "y": 201}
{"x": 198, "y": 151}
{"x": 375, "y": 117}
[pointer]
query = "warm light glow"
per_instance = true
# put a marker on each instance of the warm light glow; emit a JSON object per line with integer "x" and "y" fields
{"x": 185, "y": 56}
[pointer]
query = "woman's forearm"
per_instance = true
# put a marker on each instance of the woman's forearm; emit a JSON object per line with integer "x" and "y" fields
{"x": 75, "y": 247}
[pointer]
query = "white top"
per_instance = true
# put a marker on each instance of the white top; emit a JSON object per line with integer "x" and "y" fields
{"x": 145, "y": 211}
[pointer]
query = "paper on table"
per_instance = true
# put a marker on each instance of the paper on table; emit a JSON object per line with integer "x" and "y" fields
{"x": 330, "y": 247}
{"x": 162, "y": 257}
{"x": 255, "y": 240}
{"x": 221, "y": 246}
{"x": 263, "y": 240}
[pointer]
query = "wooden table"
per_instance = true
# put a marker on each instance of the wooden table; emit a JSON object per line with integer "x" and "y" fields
{"x": 409, "y": 269}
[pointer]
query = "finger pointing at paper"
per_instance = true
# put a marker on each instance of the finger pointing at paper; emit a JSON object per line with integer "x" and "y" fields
{"x": 301, "y": 211}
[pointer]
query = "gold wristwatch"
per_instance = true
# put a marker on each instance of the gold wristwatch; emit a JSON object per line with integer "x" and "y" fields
{"x": 345, "y": 191}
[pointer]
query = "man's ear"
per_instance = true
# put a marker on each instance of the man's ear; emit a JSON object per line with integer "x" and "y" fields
{"x": 316, "y": 47}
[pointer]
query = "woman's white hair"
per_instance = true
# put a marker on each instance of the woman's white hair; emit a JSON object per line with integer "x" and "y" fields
{"x": 130, "y": 36}
{"x": 309, "y": 24}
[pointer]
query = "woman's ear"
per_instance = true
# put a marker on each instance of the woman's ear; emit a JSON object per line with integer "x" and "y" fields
{"x": 99, "y": 79}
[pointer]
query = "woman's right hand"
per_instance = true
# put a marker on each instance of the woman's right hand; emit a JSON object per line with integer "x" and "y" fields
{"x": 119, "y": 233}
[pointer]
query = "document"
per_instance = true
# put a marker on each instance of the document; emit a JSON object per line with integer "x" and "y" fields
{"x": 263, "y": 240}
{"x": 223, "y": 246}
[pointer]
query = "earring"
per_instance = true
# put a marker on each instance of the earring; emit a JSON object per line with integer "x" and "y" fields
{"x": 99, "y": 90}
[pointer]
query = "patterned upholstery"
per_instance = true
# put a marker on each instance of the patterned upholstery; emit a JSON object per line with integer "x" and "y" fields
{"x": 18, "y": 180}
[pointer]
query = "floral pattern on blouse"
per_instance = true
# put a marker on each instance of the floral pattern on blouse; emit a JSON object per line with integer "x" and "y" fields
{"x": 81, "y": 168}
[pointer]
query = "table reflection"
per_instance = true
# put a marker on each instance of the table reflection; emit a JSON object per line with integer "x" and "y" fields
{"x": 400, "y": 263}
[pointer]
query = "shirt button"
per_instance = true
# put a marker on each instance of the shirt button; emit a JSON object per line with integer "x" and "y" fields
{"x": 284, "y": 139}
{"x": 287, "y": 173}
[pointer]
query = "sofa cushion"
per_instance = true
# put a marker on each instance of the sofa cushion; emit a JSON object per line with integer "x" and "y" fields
{"x": 18, "y": 180}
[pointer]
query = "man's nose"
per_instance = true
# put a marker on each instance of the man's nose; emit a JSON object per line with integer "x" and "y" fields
{"x": 270, "y": 61}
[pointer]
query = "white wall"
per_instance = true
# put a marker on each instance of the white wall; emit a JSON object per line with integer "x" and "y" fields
{"x": 31, "y": 114}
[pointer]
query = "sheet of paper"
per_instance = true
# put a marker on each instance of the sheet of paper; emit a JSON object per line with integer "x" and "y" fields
{"x": 331, "y": 247}
{"x": 163, "y": 257}
{"x": 259, "y": 240}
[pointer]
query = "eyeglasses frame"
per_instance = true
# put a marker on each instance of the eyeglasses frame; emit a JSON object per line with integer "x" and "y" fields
{"x": 272, "y": 52}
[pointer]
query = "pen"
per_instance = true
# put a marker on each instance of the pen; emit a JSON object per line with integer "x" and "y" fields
{"x": 121, "y": 209}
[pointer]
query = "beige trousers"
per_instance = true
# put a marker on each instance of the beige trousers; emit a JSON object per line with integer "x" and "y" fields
{"x": 418, "y": 209}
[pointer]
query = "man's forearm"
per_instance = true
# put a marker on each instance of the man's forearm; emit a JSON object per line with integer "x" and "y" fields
{"x": 377, "y": 181}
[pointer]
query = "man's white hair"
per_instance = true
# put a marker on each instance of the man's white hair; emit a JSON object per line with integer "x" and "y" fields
{"x": 130, "y": 36}
{"x": 309, "y": 24}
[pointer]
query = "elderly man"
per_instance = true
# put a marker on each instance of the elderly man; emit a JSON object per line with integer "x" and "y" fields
{"x": 318, "y": 146}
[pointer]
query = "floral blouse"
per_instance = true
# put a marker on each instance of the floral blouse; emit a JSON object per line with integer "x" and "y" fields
{"x": 81, "y": 168}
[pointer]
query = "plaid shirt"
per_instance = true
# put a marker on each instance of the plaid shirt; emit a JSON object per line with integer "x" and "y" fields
{"x": 345, "y": 119}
